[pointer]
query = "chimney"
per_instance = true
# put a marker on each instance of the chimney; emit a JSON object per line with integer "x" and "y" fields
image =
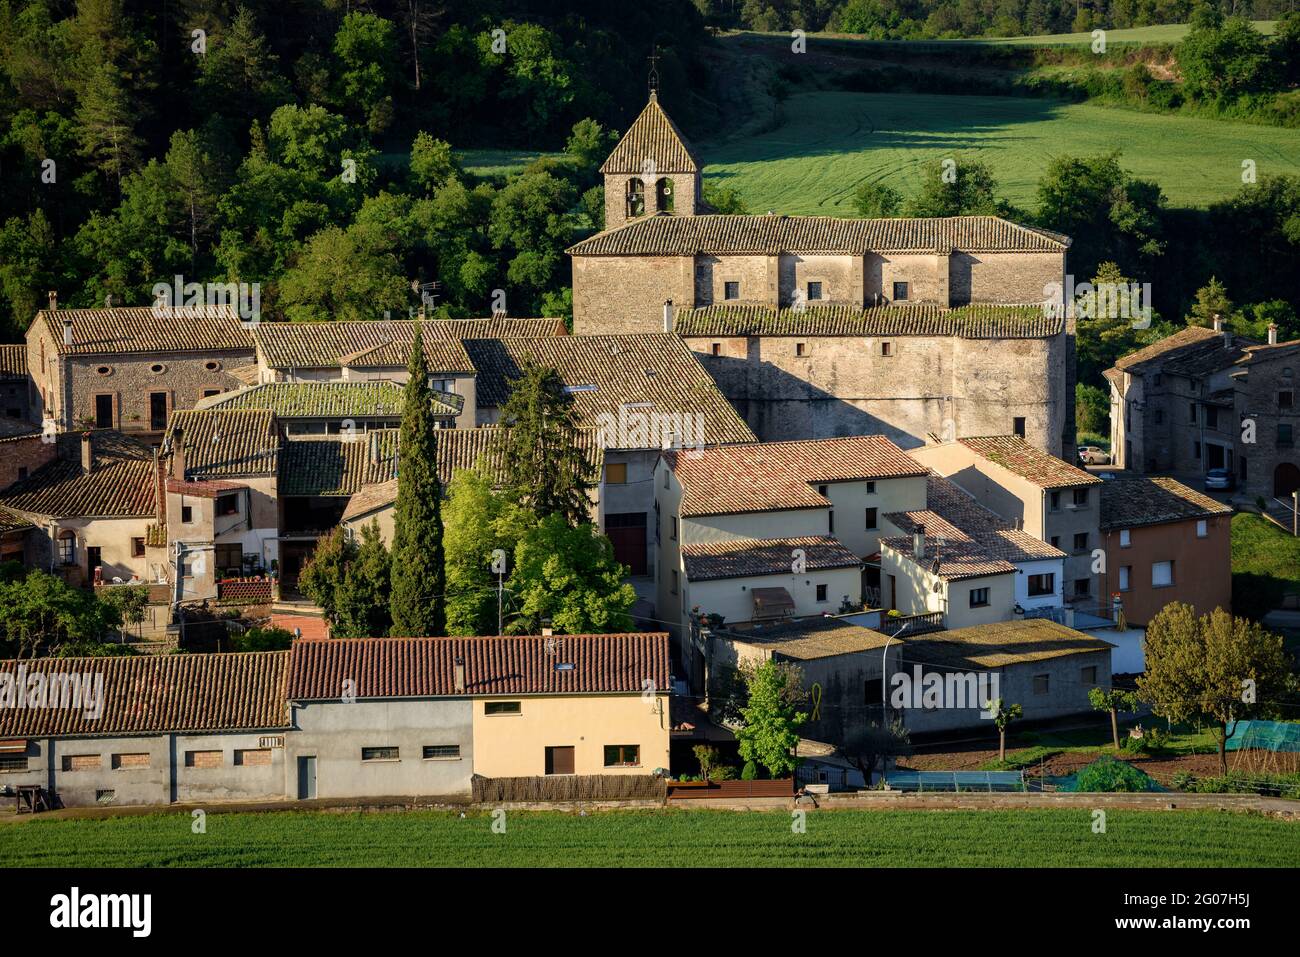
{"x": 1218, "y": 322}
{"x": 108, "y": 301}
{"x": 460, "y": 675}
{"x": 87, "y": 454}
{"x": 918, "y": 542}
{"x": 67, "y": 331}
{"x": 1272, "y": 333}
{"x": 668, "y": 315}
{"x": 1227, "y": 339}
{"x": 178, "y": 454}
{"x": 54, "y": 300}
{"x": 160, "y": 489}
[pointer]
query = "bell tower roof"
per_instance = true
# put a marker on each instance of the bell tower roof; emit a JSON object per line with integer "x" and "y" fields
{"x": 652, "y": 138}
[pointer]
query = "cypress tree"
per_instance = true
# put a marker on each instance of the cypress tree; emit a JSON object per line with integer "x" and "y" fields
{"x": 418, "y": 576}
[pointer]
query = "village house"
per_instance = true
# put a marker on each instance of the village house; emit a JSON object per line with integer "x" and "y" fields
{"x": 15, "y": 400}
{"x": 1164, "y": 542}
{"x": 1040, "y": 494}
{"x": 335, "y": 408}
{"x": 130, "y": 368}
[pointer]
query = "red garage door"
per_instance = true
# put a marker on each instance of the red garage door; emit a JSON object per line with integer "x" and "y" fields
{"x": 627, "y": 531}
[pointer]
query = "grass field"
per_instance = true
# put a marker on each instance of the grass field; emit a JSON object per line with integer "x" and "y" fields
{"x": 1265, "y": 564}
{"x": 1061, "y": 838}
{"x": 830, "y": 142}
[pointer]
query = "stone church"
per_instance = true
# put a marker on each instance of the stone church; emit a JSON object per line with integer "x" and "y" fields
{"x": 923, "y": 330}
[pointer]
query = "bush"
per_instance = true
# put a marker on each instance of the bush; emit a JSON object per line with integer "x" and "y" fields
{"x": 262, "y": 639}
{"x": 1239, "y": 782}
{"x": 723, "y": 772}
{"x": 749, "y": 772}
{"x": 1106, "y": 775}
{"x": 1184, "y": 781}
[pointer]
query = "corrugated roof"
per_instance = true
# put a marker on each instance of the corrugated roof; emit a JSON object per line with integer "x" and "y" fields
{"x": 1033, "y": 464}
{"x": 999, "y": 644}
{"x": 652, "y": 140}
{"x": 1133, "y": 502}
{"x": 710, "y": 561}
{"x": 150, "y": 694}
{"x": 657, "y": 372}
{"x": 331, "y": 400}
{"x": 426, "y": 667}
{"x": 142, "y": 329}
{"x": 225, "y": 441}
{"x": 338, "y": 466}
{"x": 765, "y": 476}
{"x": 720, "y": 234}
{"x": 380, "y": 343}
{"x": 899, "y": 319}
{"x": 121, "y": 483}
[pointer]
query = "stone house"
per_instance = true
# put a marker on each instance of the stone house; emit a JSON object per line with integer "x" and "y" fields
{"x": 1040, "y": 494}
{"x": 130, "y": 368}
{"x": 1164, "y": 542}
{"x": 15, "y": 398}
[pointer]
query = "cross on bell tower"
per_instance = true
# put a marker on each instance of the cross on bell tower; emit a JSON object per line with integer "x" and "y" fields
{"x": 653, "y": 78}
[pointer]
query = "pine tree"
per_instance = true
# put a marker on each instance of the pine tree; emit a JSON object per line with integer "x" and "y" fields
{"x": 544, "y": 467}
{"x": 418, "y": 576}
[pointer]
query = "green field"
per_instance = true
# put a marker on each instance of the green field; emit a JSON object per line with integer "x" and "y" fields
{"x": 1265, "y": 565}
{"x": 1049, "y": 838}
{"x": 829, "y": 142}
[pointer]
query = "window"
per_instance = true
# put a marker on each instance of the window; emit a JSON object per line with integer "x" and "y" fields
{"x": 821, "y": 592}
{"x": 559, "y": 760}
{"x": 1081, "y": 541}
{"x": 229, "y": 558}
{"x": 157, "y": 368}
{"x": 1125, "y": 538}
{"x": 821, "y": 490}
{"x": 1286, "y": 399}
{"x": 616, "y": 473}
{"x": 1044, "y": 584}
{"x": 665, "y": 478}
{"x": 441, "y": 752}
{"x": 1055, "y": 501}
{"x": 673, "y": 582}
{"x": 203, "y": 759}
{"x": 814, "y": 291}
{"x": 622, "y": 755}
{"x": 227, "y": 504}
{"x": 13, "y": 762}
{"x": 1125, "y": 577}
{"x": 886, "y": 349}
{"x": 81, "y": 762}
{"x": 209, "y": 393}
{"x": 1191, "y": 412}
{"x": 979, "y": 597}
{"x": 1018, "y": 426}
{"x": 1211, "y": 417}
{"x": 103, "y": 411}
{"x": 1196, "y": 449}
{"x": 1082, "y": 587}
{"x": 1042, "y": 684}
{"x": 94, "y": 557}
{"x": 22, "y": 472}
{"x": 1055, "y": 541}
{"x": 664, "y": 195}
{"x": 1080, "y": 498}
{"x": 716, "y": 348}
{"x": 158, "y": 411}
{"x": 871, "y": 488}
{"x": 68, "y": 548}
{"x": 1088, "y": 675}
{"x": 801, "y": 348}
{"x": 873, "y": 521}
{"x": 130, "y": 762}
{"x": 503, "y": 707}
{"x": 900, "y": 291}
{"x": 380, "y": 754}
{"x": 1284, "y": 435}
{"x": 731, "y": 290}
{"x": 672, "y": 534}
{"x": 635, "y": 202}
{"x": 187, "y": 514}
{"x": 253, "y": 758}
{"x": 830, "y": 521}
{"x": 137, "y": 547}
{"x": 1162, "y": 574}
{"x": 1202, "y": 528}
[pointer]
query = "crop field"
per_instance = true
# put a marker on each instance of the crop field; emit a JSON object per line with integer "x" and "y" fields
{"x": 1160, "y": 33}
{"x": 830, "y": 142}
{"x": 904, "y": 838}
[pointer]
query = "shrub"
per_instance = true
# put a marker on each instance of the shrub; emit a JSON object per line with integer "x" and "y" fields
{"x": 723, "y": 772}
{"x": 1107, "y": 775}
{"x": 1184, "y": 781}
{"x": 262, "y": 639}
{"x": 749, "y": 772}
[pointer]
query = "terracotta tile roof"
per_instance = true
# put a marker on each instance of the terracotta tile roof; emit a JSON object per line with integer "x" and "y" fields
{"x": 998, "y": 537}
{"x": 710, "y": 561}
{"x": 331, "y": 400}
{"x": 652, "y": 138}
{"x": 13, "y": 430}
{"x": 808, "y": 639}
{"x": 369, "y": 499}
{"x": 226, "y": 442}
{"x": 1033, "y": 464}
{"x": 498, "y": 327}
{"x": 337, "y": 466}
{"x": 899, "y": 319}
{"x": 381, "y": 343}
{"x": 155, "y": 536}
{"x": 12, "y": 522}
{"x": 999, "y": 644}
{"x": 210, "y": 489}
{"x": 425, "y": 667}
{"x": 717, "y": 234}
{"x": 606, "y": 373}
{"x": 1192, "y": 351}
{"x": 149, "y": 694}
{"x": 135, "y": 329}
{"x": 766, "y": 476}
{"x": 959, "y": 556}
{"x": 460, "y": 449}
{"x": 13, "y": 361}
{"x": 1132, "y": 502}
{"x": 121, "y": 483}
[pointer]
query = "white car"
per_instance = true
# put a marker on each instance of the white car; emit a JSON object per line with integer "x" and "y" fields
{"x": 1092, "y": 455}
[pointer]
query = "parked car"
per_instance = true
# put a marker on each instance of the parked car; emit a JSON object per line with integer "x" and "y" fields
{"x": 1219, "y": 480}
{"x": 1093, "y": 455}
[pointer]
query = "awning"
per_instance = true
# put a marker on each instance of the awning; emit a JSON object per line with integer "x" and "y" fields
{"x": 13, "y": 746}
{"x": 772, "y": 603}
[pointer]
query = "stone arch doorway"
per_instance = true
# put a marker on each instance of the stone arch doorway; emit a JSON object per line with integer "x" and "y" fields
{"x": 1286, "y": 479}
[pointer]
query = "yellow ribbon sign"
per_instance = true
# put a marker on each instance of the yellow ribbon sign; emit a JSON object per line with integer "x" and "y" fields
{"x": 817, "y": 701}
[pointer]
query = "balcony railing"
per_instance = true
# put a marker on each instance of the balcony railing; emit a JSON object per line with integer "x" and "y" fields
{"x": 246, "y": 590}
{"x": 911, "y": 624}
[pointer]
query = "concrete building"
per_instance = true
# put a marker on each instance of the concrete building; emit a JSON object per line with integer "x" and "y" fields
{"x": 1164, "y": 542}
{"x": 130, "y": 368}
{"x": 1038, "y": 493}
